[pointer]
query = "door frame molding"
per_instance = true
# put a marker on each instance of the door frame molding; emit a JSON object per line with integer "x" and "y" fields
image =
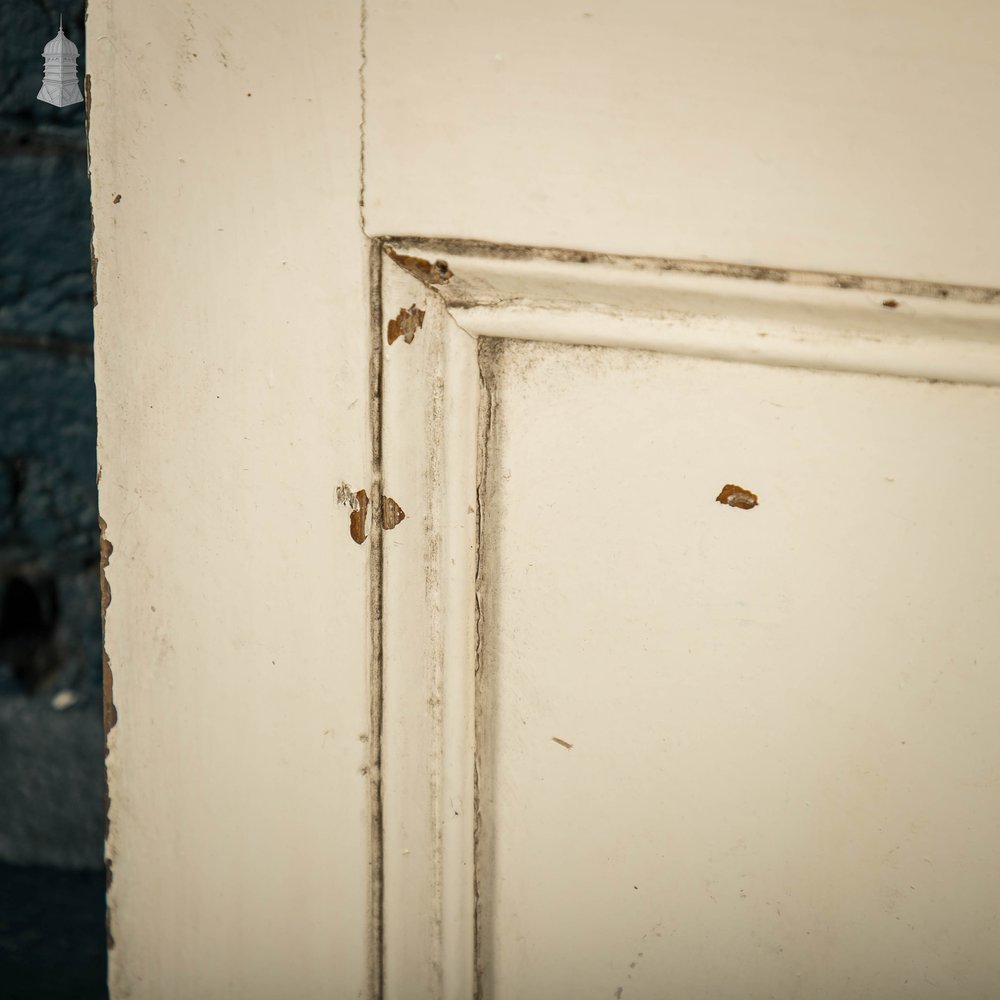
{"x": 441, "y": 301}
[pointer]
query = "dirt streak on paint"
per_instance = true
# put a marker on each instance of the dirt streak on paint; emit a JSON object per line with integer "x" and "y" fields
{"x": 431, "y": 274}
{"x": 489, "y": 351}
{"x": 376, "y": 899}
{"x": 888, "y": 286}
{"x": 562, "y": 743}
{"x": 406, "y": 324}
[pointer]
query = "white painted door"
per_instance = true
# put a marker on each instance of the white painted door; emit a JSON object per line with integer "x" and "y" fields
{"x": 312, "y": 790}
{"x": 690, "y": 633}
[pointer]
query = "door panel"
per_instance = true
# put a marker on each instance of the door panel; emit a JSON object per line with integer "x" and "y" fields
{"x": 736, "y": 752}
{"x": 639, "y": 742}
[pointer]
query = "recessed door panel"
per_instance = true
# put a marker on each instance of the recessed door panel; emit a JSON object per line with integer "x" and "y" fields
{"x": 742, "y": 749}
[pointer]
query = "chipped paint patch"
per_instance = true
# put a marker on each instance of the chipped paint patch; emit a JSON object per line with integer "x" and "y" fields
{"x": 431, "y": 274}
{"x": 93, "y": 266}
{"x": 108, "y": 879}
{"x": 736, "y": 496}
{"x": 358, "y": 504}
{"x": 406, "y": 324}
{"x": 86, "y": 129}
{"x": 392, "y": 513}
{"x": 359, "y": 517}
{"x": 110, "y": 712}
{"x": 347, "y": 497}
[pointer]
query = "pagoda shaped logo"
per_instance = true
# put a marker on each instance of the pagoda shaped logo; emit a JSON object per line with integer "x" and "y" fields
{"x": 59, "y": 84}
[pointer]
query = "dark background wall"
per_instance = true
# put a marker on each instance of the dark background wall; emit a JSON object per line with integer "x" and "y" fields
{"x": 51, "y": 742}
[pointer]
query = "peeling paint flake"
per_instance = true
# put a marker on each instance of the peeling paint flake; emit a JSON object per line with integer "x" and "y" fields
{"x": 347, "y": 497}
{"x": 431, "y": 274}
{"x": 406, "y": 324}
{"x": 736, "y": 496}
{"x": 108, "y": 698}
{"x": 108, "y": 879}
{"x": 392, "y": 513}
{"x": 358, "y": 504}
{"x": 359, "y": 516}
{"x": 106, "y": 549}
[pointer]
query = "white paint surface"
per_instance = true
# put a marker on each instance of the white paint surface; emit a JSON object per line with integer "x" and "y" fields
{"x": 429, "y": 444}
{"x": 232, "y": 377}
{"x": 851, "y": 611}
{"x": 683, "y": 706}
{"x": 783, "y": 774}
{"x": 838, "y": 136}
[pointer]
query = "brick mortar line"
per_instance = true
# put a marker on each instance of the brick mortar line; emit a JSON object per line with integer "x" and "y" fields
{"x": 53, "y": 345}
